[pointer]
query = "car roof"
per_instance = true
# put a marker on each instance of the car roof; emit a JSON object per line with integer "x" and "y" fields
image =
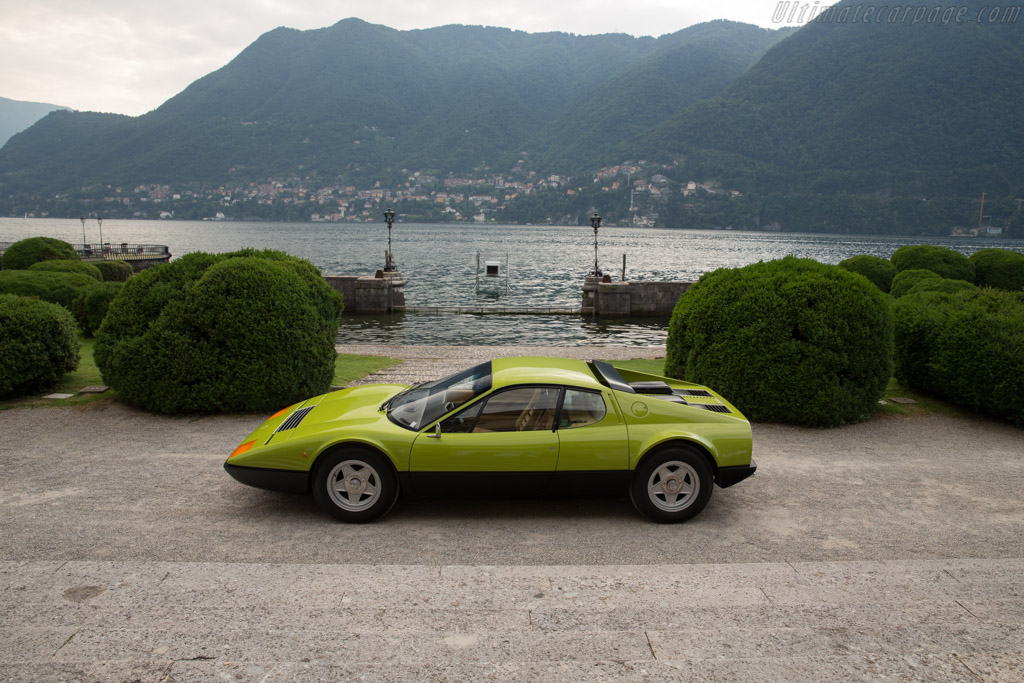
{"x": 540, "y": 370}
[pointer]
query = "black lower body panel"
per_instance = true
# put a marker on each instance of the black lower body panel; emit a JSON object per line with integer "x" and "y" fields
{"x": 727, "y": 476}
{"x": 518, "y": 484}
{"x": 288, "y": 481}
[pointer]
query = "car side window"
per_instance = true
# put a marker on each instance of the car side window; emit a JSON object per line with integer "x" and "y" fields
{"x": 461, "y": 423}
{"x": 581, "y": 408}
{"x": 524, "y": 409}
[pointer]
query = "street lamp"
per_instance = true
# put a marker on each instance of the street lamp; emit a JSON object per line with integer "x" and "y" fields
{"x": 99, "y": 220}
{"x": 83, "y": 231}
{"x": 595, "y": 222}
{"x": 389, "y": 264}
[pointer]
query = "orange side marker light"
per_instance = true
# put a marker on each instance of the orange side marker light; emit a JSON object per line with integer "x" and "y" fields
{"x": 242, "y": 449}
{"x": 279, "y": 413}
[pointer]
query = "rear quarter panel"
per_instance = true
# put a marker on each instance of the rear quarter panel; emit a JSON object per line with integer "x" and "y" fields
{"x": 652, "y": 422}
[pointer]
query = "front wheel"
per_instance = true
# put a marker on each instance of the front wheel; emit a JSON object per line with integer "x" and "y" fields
{"x": 355, "y": 485}
{"x": 672, "y": 485}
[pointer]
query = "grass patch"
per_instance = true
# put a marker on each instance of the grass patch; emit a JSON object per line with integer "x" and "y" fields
{"x": 652, "y": 366}
{"x": 349, "y": 367}
{"x": 86, "y": 374}
{"x": 924, "y": 405}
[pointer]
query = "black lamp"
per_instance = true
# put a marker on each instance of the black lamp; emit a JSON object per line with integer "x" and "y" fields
{"x": 389, "y": 264}
{"x": 595, "y": 222}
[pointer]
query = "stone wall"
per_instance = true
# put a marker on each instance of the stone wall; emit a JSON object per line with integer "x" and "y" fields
{"x": 383, "y": 293}
{"x": 634, "y": 298}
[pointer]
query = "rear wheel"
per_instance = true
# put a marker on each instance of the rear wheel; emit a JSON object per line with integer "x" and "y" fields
{"x": 355, "y": 485}
{"x": 672, "y": 485}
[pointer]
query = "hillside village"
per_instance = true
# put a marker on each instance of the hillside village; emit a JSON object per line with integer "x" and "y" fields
{"x": 630, "y": 193}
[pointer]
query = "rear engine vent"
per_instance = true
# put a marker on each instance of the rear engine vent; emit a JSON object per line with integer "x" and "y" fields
{"x": 716, "y": 408}
{"x": 294, "y": 419}
{"x": 651, "y": 387}
{"x": 693, "y": 392}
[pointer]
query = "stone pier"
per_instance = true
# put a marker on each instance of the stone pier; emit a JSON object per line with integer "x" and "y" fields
{"x": 380, "y": 293}
{"x": 604, "y": 297}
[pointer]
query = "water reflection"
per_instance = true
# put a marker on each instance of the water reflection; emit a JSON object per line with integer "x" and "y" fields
{"x": 500, "y": 330}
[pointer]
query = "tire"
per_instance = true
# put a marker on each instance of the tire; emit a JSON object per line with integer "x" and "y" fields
{"x": 672, "y": 485}
{"x": 355, "y": 485}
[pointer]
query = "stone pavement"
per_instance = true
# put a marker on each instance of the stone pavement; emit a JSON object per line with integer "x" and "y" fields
{"x": 885, "y": 550}
{"x": 940, "y": 620}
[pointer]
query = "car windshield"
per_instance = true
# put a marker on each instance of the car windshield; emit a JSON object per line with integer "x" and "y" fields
{"x": 423, "y": 404}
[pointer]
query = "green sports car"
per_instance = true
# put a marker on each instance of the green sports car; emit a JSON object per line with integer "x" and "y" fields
{"x": 512, "y": 424}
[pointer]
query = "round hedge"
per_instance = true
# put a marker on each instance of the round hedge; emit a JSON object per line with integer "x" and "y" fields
{"x": 879, "y": 270}
{"x": 58, "y": 288}
{"x": 91, "y": 304}
{"x": 944, "y": 262}
{"x": 966, "y": 348}
{"x": 241, "y": 332}
{"x": 941, "y": 285}
{"x": 23, "y": 253}
{"x": 115, "y": 271}
{"x": 68, "y": 266}
{"x": 38, "y": 345}
{"x": 907, "y": 279}
{"x": 792, "y": 341}
{"x": 999, "y": 268}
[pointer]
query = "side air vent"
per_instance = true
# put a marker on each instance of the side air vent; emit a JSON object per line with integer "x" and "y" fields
{"x": 294, "y": 419}
{"x": 693, "y": 392}
{"x": 651, "y": 387}
{"x": 716, "y": 408}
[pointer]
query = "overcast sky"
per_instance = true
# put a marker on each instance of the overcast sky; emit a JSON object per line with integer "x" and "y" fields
{"x": 129, "y": 56}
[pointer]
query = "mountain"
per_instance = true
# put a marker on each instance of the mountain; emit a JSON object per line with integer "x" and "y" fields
{"x": 363, "y": 102}
{"x": 873, "y": 118}
{"x": 894, "y": 109}
{"x": 16, "y": 116}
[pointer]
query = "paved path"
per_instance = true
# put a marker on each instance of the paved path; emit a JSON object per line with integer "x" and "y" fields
{"x": 421, "y": 363}
{"x": 942, "y": 620}
{"x": 887, "y": 549}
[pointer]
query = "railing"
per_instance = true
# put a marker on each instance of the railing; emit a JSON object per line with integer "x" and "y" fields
{"x": 108, "y": 251}
{"x": 122, "y": 251}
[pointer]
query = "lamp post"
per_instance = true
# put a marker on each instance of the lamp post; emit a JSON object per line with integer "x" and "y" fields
{"x": 83, "y": 231}
{"x": 389, "y": 264}
{"x": 99, "y": 220}
{"x": 595, "y": 222}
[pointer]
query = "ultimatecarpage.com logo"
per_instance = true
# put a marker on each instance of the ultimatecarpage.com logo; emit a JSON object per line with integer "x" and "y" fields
{"x": 795, "y": 12}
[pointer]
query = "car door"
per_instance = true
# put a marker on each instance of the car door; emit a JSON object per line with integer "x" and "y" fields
{"x": 593, "y": 444}
{"x": 506, "y": 441}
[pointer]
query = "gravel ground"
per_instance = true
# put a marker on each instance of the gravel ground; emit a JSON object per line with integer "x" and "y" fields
{"x": 891, "y": 548}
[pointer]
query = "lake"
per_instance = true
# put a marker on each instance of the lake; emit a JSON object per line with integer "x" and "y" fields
{"x": 547, "y": 266}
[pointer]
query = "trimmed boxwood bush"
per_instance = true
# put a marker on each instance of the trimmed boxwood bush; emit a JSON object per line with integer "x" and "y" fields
{"x": 942, "y": 261}
{"x": 907, "y": 279}
{"x": 792, "y": 341}
{"x": 247, "y": 331}
{"x": 879, "y": 270}
{"x": 58, "y": 288}
{"x": 23, "y": 253}
{"x": 91, "y": 304}
{"x": 115, "y": 271}
{"x": 68, "y": 266}
{"x": 37, "y": 345}
{"x": 999, "y": 268}
{"x": 966, "y": 348}
{"x": 941, "y": 285}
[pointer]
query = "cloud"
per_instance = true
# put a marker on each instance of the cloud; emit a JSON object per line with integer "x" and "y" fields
{"x": 128, "y": 56}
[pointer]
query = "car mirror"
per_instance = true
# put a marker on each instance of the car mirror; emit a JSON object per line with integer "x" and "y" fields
{"x": 437, "y": 431}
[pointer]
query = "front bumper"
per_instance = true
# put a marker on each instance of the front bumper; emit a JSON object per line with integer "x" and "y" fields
{"x": 288, "y": 481}
{"x": 727, "y": 476}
